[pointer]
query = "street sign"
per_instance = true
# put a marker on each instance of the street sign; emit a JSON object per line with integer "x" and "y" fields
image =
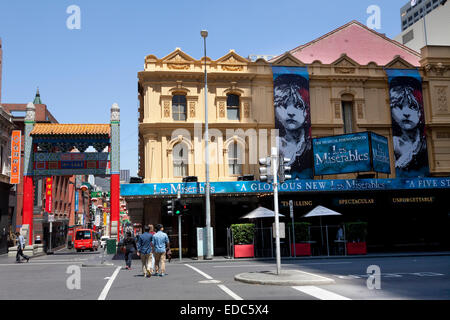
{"x": 48, "y": 194}
{"x": 16, "y": 145}
{"x": 51, "y": 218}
{"x": 282, "y": 231}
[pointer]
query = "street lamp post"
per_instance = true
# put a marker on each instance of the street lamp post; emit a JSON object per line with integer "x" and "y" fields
{"x": 204, "y": 34}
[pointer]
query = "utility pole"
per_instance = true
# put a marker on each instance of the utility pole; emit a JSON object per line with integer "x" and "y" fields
{"x": 180, "y": 249}
{"x": 272, "y": 170}
{"x": 274, "y": 156}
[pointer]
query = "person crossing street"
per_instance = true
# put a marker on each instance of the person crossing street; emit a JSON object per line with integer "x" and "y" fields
{"x": 144, "y": 247}
{"x": 160, "y": 243}
{"x": 20, "y": 247}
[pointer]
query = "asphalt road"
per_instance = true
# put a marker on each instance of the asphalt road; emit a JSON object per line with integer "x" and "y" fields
{"x": 54, "y": 277}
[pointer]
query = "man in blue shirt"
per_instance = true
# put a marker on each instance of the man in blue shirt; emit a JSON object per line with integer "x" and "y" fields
{"x": 160, "y": 244}
{"x": 144, "y": 247}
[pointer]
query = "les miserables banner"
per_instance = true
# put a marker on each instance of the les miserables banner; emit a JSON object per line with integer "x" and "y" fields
{"x": 293, "y": 118}
{"x": 408, "y": 123}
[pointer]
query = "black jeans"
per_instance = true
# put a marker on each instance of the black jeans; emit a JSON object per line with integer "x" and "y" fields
{"x": 20, "y": 253}
{"x": 129, "y": 256}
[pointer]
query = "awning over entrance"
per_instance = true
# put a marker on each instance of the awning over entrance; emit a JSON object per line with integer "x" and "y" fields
{"x": 255, "y": 187}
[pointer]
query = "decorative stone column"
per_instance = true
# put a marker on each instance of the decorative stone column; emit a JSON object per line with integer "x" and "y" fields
{"x": 28, "y": 190}
{"x": 115, "y": 171}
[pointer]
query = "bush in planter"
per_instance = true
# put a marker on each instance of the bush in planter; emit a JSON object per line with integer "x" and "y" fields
{"x": 356, "y": 231}
{"x": 243, "y": 233}
{"x": 301, "y": 231}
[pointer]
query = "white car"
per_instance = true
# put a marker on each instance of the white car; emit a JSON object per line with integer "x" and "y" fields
{"x": 103, "y": 241}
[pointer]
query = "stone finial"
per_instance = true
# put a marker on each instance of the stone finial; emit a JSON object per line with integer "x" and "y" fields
{"x": 31, "y": 112}
{"x": 115, "y": 112}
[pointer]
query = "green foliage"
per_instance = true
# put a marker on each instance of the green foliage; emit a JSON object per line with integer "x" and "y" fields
{"x": 301, "y": 231}
{"x": 356, "y": 231}
{"x": 243, "y": 233}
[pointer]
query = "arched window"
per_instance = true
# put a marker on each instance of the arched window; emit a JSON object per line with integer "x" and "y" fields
{"x": 180, "y": 160}
{"x": 234, "y": 159}
{"x": 233, "y": 107}
{"x": 179, "y": 107}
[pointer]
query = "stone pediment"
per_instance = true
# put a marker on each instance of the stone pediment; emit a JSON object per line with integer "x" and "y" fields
{"x": 288, "y": 60}
{"x": 178, "y": 60}
{"x": 399, "y": 63}
{"x": 345, "y": 64}
{"x": 232, "y": 62}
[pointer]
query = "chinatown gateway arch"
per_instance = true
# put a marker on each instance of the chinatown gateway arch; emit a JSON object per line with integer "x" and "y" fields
{"x": 53, "y": 149}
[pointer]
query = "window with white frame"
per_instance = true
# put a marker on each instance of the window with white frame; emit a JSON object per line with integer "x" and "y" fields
{"x": 179, "y": 109}
{"x": 233, "y": 107}
{"x": 234, "y": 159}
{"x": 180, "y": 160}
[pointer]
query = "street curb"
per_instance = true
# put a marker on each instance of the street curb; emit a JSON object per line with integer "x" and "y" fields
{"x": 287, "y": 259}
{"x": 265, "y": 278}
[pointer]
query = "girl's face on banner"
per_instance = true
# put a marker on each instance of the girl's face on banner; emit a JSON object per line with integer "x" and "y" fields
{"x": 405, "y": 108}
{"x": 406, "y": 115}
{"x": 291, "y": 115}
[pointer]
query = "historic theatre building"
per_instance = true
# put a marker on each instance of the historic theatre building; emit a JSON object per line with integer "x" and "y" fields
{"x": 364, "y": 120}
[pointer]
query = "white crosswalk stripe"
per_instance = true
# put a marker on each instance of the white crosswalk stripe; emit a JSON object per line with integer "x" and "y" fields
{"x": 320, "y": 293}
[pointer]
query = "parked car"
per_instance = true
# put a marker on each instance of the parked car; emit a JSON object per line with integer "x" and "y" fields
{"x": 103, "y": 241}
{"x": 86, "y": 239}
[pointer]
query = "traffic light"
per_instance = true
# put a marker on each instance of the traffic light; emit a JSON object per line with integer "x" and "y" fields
{"x": 284, "y": 169}
{"x": 170, "y": 206}
{"x": 185, "y": 209}
{"x": 265, "y": 170}
{"x": 178, "y": 207}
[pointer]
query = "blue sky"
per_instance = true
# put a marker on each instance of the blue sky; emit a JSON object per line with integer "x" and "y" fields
{"x": 81, "y": 73}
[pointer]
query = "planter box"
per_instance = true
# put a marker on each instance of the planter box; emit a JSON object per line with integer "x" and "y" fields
{"x": 301, "y": 249}
{"x": 244, "y": 251}
{"x": 356, "y": 248}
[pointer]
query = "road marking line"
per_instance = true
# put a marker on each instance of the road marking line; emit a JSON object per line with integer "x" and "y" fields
{"x": 312, "y": 274}
{"x": 109, "y": 284}
{"x": 39, "y": 263}
{"x": 221, "y": 286}
{"x": 320, "y": 293}
{"x": 199, "y": 271}
{"x": 66, "y": 260}
{"x": 229, "y": 292}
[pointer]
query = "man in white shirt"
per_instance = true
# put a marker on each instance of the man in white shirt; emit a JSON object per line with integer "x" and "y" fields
{"x": 20, "y": 247}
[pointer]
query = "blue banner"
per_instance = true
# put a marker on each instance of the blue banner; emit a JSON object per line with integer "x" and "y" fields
{"x": 76, "y": 201}
{"x": 342, "y": 154}
{"x": 244, "y": 187}
{"x": 380, "y": 153}
{"x": 408, "y": 123}
{"x": 293, "y": 118}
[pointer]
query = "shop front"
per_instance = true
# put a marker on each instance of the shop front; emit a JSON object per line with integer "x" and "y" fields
{"x": 398, "y": 214}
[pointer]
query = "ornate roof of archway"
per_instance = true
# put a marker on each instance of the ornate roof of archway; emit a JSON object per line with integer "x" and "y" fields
{"x": 70, "y": 129}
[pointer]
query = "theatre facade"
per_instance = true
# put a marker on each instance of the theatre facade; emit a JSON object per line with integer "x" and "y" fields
{"x": 352, "y": 83}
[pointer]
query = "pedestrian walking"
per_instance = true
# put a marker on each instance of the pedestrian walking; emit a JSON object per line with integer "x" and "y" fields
{"x": 144, "y": 247}
{"x": 160, "y": 243}
{"x": 20, "y": 247}
{"x": 152, "y": 232}
{"x": 130, "y": 248}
